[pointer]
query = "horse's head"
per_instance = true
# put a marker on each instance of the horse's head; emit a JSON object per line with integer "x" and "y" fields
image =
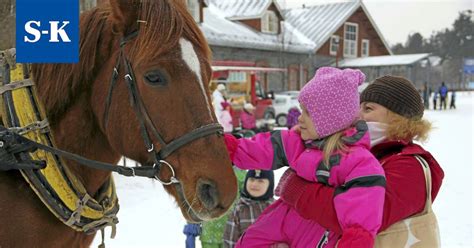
{"x": 169, "y": 70}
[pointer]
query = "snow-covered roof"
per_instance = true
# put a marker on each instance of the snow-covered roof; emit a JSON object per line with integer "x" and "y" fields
{"x": 387, "y": 60}
{"x": 243, "y": 9}
{"x": 320, "y": 21}
{"x": 220, "y": 31}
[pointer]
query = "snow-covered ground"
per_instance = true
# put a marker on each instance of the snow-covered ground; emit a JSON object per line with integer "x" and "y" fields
{"x": 149, "y": 217}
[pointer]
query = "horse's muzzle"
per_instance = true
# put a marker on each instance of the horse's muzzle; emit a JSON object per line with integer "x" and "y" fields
{"x": 208, "y": 194}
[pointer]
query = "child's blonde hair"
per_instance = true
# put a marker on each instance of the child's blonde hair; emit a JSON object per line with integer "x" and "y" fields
{"x": 332, "y": 144}
{"x": 402, "y": 128}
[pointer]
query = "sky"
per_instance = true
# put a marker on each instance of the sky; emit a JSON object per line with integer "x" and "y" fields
{"x": 397, "y": 19}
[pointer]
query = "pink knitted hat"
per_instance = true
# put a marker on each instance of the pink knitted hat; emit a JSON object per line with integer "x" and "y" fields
{"x": 332, "y": 99}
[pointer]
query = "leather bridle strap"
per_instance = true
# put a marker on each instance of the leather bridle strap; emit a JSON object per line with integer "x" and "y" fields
{"x": 145, "y": 123}
{"x": 189, "y": 137}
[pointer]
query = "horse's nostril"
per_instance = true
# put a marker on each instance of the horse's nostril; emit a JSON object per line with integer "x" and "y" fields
{"x": 207, "y": 193}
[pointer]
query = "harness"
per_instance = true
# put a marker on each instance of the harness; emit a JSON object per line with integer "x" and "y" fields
{"x": 27, "y": 145}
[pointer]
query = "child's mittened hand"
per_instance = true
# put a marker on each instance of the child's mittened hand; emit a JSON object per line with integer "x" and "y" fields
{"x": 284, "y": 180}
{"x": 355, "y": 237}
{"x": 231, "y": 144}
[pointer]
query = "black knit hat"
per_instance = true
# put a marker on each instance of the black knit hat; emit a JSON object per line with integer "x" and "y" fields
{"x": 259, "y": 174}
{"x": 396, "y": 94}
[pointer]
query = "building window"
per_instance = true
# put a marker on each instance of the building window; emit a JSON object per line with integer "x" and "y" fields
{"x": 334, "y": 45}
{"x": 293, "y": 71}
{"x": 270, "y": 22}
{"x": 193, "y": 8}
{"x": 350, "y": 40}
{"x": 365, "y": 48}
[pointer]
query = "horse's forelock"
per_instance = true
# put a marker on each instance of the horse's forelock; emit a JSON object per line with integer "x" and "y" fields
{"x": 162, "y": 24}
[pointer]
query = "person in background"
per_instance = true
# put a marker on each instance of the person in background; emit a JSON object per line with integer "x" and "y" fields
{"x": 255, "y": 196}
{"x": 435, "y": 100}
{"x": 292, "y": 117}
{"x": 191, "y": 230}
{"x": 452, "y": 104}
{"x": 426, "y": 95}
{"x": 225, "y": 118}
{"x": 247, "y": 117}
{"x": 443, "y": 93}
{"x": 212, "y": 235}
{"x": 394, "y": 111}
{"x": 218, "y": 97}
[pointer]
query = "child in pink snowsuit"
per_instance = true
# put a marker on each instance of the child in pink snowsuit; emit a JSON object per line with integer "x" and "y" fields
{"x": 332, "y": 148}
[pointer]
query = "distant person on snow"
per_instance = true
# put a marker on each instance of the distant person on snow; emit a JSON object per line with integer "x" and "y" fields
{"x": 292, "y": 117}
{"x": 452, "y": 104}
{"x": 226, "y": 118}
{"x": 247, "y": 117}
{"x": 218, "y": 97}
{"x": 443, "y": 93}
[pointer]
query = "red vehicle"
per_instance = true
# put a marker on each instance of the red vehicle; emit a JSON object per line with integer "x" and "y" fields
{"x": 243, "y": 85}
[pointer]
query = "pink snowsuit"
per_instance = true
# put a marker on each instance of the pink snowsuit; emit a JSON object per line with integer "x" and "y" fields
{"x": 248, "y": 120}
{"x": 357, "y": 176}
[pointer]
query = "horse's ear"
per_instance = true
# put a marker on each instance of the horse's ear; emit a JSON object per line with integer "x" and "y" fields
{"x": 125, "y": 14}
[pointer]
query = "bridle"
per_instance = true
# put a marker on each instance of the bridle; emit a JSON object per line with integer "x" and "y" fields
{"x": 15, "y": 148}
{"x": 145, "y": 122}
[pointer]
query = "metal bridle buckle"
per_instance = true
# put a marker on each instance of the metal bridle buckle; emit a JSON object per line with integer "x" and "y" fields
{"x": 151, "y": 148}
{"x": 173, "y": 178}
{"x": 130, "y": 169}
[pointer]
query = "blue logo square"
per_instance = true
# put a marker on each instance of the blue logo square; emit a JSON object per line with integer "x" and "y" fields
{"x": 47, "y": 31}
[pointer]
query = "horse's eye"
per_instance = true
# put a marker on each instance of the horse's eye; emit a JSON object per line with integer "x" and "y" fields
{"x": 155, "y": 78}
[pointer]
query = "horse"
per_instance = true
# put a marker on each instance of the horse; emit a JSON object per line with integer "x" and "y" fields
{"x": 169, "y": 60}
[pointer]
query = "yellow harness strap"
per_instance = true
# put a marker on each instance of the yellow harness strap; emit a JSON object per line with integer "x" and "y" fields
{"x": 59, "y": 189}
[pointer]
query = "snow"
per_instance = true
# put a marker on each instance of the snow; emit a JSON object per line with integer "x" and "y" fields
{"x": 242, "y": 8}
{"x": 387, "y": 60}
{"x": 318, "y": 22}
{"x": 149, "y": 217}
{"x": 220, "y": 31}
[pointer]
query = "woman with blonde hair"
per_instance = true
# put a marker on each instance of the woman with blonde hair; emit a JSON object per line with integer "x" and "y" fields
{"x": 393, "y": 110}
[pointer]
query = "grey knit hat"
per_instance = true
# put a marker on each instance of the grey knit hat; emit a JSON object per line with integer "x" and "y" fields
{"x": 396, "y": 94}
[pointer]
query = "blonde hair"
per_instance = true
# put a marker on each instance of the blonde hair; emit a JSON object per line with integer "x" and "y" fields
{"x": 402, "y": 128}
{"x": 333, "y": 143}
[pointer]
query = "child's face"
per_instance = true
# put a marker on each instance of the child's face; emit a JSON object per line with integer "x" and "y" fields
{"x": 257, "y": 186}
{"x": 308, "y": 130}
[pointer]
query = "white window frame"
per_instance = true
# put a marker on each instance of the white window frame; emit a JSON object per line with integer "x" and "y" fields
{"x": 193, "y": 8}
{"x": 270, "y": 22}
{"x": 348, "y": 44}
{"x": 332, "y": 44}
{"x": 365, "y": 42}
